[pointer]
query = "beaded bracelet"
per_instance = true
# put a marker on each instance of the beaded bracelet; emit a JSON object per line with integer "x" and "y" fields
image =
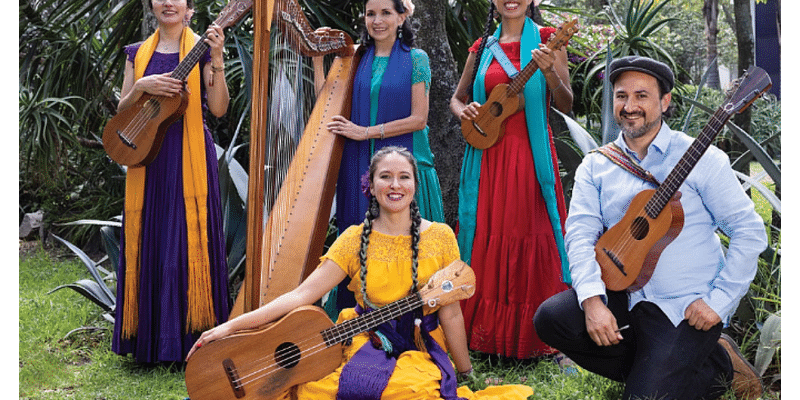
{"x": 460, "y": 376}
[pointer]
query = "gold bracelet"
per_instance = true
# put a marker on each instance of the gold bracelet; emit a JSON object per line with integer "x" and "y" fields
{"x": 382, "y": 132}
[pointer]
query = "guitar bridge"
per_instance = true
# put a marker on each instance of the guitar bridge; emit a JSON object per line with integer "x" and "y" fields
{"x": 615, "y": 260}
{"x": 233, "y": 378}
{"x": 478, "y": 128}
{"x": 125, "y": 140}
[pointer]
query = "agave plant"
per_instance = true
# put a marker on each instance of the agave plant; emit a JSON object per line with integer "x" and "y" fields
{"x": 633, "y": 36}
{"x": 98, "y": 289}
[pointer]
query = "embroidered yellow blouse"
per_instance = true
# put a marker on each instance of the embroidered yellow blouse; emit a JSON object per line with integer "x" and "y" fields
{"x": 389, "y": 260}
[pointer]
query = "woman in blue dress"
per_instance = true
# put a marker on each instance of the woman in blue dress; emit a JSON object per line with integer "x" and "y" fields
{"x": 389, "y": 108}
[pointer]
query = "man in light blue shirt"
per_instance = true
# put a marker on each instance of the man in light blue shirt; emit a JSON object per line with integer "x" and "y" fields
{"x": 664, "y": 340}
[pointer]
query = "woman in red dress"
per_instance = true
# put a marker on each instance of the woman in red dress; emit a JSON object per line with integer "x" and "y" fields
{"x": 511, "y": 204}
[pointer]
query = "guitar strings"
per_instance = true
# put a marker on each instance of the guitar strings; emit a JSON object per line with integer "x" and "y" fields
{"x": 343, "y": 331}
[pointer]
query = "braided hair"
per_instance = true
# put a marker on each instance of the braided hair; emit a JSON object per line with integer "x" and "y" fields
{"x": 404, "y": 32}
{"x": 490, "y": 16}
{"x": 373, "y": 212}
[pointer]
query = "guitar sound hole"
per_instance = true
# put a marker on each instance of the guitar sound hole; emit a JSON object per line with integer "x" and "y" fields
{"x": 496, "y": 109}
{"x": 640, "y": 228}
{"x": 287, "y": 355}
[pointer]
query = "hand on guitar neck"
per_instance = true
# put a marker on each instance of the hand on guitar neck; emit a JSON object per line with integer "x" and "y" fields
{"x": 483, "y": 125}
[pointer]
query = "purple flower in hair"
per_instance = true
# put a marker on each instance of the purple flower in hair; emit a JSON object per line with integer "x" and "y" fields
{"x": 365, "y": 184}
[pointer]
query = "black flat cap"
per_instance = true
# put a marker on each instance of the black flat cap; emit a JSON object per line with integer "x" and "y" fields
{"x": 657, "y": 69}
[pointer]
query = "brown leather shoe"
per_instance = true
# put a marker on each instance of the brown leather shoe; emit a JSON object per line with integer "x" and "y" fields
{"x": 746, "y": 383}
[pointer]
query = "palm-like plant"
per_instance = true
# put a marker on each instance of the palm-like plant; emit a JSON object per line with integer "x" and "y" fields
{"x": 633, "y": 36}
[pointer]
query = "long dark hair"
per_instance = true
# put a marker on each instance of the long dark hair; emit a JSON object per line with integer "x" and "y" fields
{"x": 405, "y": 32}
{"x": 374, "y": 211}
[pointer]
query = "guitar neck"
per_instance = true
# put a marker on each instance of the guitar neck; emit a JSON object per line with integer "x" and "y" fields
{"x": 518, "y": 84}
{"x": 564, "y": 33}
{"x": 185, "y": 66}
{"x": 675, "y": 179}
{"x": 341, "y": 332}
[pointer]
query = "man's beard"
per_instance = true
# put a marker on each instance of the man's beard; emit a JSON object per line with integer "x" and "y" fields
{"x": 637, "y": 132}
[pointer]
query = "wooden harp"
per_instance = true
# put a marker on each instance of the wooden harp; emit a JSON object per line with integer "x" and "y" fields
{"x": 284, "y": 248}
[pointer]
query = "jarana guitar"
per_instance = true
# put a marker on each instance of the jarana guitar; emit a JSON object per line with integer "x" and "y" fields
{"x": 505, "y": 100}
{"x": 628, "y": 251}
{"x": 304, "y": 345}
{"x": 133, "y": 137}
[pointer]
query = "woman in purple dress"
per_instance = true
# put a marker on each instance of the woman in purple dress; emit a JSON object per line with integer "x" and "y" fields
{"x": 172, "y": 280}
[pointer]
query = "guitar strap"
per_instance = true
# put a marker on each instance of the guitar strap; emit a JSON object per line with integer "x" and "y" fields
{"x": 618, "y": 156}
{"x": 501, "y": 57}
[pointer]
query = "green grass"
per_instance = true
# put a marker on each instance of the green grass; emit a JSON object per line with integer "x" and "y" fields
{"x": 55, "y": 363}
{"x": 763, "y": 208}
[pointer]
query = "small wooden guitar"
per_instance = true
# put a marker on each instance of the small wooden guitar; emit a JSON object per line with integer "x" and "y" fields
{"x": 505, "y": 100}
{"x": 628, "y": 251}
{"x": 133, "y": 137}
{"x": 304, "y": 345}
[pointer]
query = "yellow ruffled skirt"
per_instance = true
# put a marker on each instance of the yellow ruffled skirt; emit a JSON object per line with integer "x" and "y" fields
{"x": 415, "y": 377}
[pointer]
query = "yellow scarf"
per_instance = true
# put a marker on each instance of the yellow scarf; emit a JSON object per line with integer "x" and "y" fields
{"x": 200, "y": 314}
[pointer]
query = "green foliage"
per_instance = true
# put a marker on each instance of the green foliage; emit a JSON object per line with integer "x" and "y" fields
{"x": 766, "y": 117}
{"x": 634, "y": 36}
{"x": 96, "y": 289}
{"x": 63, "y": 168}
{"x": 465, "y": 24}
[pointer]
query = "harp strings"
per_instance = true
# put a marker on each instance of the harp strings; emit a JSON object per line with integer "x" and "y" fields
{"x": 292, "y": 98}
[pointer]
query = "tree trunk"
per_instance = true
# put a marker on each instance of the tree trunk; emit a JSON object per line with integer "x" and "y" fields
{"x": 446, "y": 141}
{"x": 149, "y": 22}
{"x": 711, "y": 14}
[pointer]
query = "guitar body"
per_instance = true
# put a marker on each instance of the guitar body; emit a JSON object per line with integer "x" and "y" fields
{"x": 489, "y": 126}
{"x": 133, "y": 137}
{"x": 628, "y": 252}
{"x": 304, "y": 345}
{"x": 263, "y": 363}
{"x": 507, "y": 99}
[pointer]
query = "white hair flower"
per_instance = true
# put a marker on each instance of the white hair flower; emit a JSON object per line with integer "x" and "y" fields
{"x": 409, "y": 7}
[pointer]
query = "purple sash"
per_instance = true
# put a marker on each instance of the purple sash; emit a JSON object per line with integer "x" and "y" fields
{"x": 367, "y": 373}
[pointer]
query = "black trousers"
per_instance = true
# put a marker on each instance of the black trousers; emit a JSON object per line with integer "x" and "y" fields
{"x": 655, "y": 359}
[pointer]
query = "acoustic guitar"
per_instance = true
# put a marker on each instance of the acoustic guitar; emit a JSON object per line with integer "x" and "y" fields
{"x": 133, "y": 137}
{"x": 628, "y": 251}
{"x": 505, "y": 100}
{"x": 304, "y": 345}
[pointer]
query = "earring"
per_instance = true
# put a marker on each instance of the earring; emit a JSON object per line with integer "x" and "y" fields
{"x": 374, "y": 207}
{"x": 400, "y": 33}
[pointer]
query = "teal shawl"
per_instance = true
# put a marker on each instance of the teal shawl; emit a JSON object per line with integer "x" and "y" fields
{"x": 536, "y": 118}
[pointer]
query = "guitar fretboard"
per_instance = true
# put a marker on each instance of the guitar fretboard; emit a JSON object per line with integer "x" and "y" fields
{"x": 185, "y": 66}
{"x": 563, "y": 35}
{"x": 347, "y": 329}
{"x": 675, "y": 179}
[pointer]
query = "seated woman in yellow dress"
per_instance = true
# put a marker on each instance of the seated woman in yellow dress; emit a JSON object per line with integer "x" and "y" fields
{"x": 386, "y": 257}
